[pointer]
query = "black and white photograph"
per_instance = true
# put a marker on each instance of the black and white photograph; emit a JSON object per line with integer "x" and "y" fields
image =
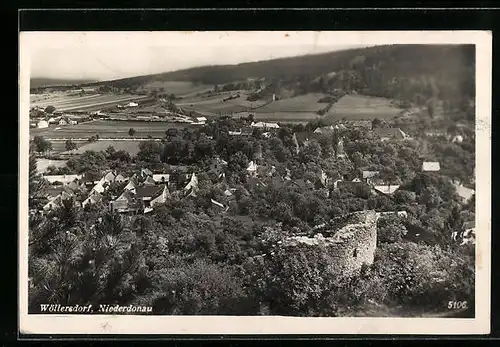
{"x": 265, "y": 182}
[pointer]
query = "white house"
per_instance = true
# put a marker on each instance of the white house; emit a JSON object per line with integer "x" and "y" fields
{"x": 265, "y": 125}
{"x": 42, "y": 124}
{"x": 465, "y": 193}
{"x": 161, "y": 178}
{"x": 52, "y": 120}
{"x": 64, "y": 179}
{"x": 132, "y": 104}
{"x": 252, "y": 168}
{"x": 201, "y": 119}
{"x": 387, "y": 189}
{"x": 62, "y": 122}
{"x": 430, "y": 166}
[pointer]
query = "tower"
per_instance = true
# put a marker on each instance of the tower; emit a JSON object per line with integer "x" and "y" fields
{"x": 340, "y": 149}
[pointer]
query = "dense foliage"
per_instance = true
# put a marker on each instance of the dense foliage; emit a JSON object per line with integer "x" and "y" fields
{"x": 190, "y": 257}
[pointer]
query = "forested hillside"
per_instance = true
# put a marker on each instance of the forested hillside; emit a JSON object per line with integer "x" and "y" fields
{"x": 396, "y": 71}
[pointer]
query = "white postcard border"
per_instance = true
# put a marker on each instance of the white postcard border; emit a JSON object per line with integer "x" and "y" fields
{"x": 232, "y": 325}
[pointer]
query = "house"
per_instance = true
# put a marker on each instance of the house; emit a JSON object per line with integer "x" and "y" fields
{"x": 72, "y": 122}
{"x": 131, "y": 185}
{"x": 252, "y": 169}
{"x": 339, "y": 152}
{"x": 145, "y": 172}
{"x": 296, "y": 143}
{"x": 149, "y": 181}
{"x": 92, "y": 199}
{"x": 109, "y": 177}
{"x": 235, "y": 133}
{"x": 132, "y": 104}
{"x": 464, "y": 193}
{"x": 52, "y": 120}
{"x": 152, "y": 195}
{"x": 468, "y": 233}
{"x": 192, "y": 187}
{"x": 161, "y": 178}
{"x": 62, "y": 122}
{"x": 120, "y": 178}
{"x": 457, "y": 139}
{"x": 430, "y": 166}
{"x": 387, "y": 189}
{"x": 263, "y": 125}
{"x": 42, "y": 124}
{"x": 57, "y": 201}
{"x": 201, "y": 119}
{"x": 62, "y": 179}
{"x": 386, "y": 134}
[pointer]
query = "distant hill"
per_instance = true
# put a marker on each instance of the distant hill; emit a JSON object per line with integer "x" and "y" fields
{"x": 51, "y": 82}
{"x": 396, "y": 71}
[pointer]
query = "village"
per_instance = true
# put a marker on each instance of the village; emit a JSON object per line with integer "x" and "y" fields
{"x": 143, "y": 190}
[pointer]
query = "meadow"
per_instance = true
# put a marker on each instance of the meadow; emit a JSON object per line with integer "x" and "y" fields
{"x": 108, "y": 129}
{"x": 178, "y": 88}
{"x": 360, "y": 107}
{"x": 69, "y": 102}
{"x": 302, "y": 103}
{"x": 131, "y": 147}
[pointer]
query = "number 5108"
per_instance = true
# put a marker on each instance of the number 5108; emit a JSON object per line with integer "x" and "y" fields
{"x": 457, "y": 305}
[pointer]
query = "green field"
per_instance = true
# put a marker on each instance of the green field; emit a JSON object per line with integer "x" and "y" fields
{"x": 359, "y": 107}
{"x": 108, "y": 129}
{"x": 178, "y": 88}
{"x": 299, "y": 109}
{"x": 68, "y": 102}
{"x": 302, "y": 103}
{"x": 129, "y": 146}
{"x": 214, "y": 103}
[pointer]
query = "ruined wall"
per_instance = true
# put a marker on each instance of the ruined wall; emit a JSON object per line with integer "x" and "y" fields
{"x": 356, "y": 244}
{"x": 351, "y": 246}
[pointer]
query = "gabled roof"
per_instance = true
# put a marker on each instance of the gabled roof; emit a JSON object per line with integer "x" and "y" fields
{"x": 386, "y": 189}
{"x": 120, "y": 177}
{"x": 149, "y": 181}
{"x": 252, "y": 166}
{"x": 146, "y": 171}
{"x": 126, "y": 195}
{"x": 149, "y": 191}
{"x": 430, "y": 166}
{"x": 130, "y": 185}
{"x": 193, "y": 182}
{"x": 464, "y": 192}
{"x": 110, "y": 177}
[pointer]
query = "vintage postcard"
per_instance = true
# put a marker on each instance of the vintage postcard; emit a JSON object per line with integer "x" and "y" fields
{"x": 255, "y": 182}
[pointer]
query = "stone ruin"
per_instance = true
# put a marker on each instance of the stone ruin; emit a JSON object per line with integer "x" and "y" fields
{"x": 351, "y": 245}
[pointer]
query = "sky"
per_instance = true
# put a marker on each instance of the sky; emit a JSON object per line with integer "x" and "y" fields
{"x": 112, "y": 55}
{"x": 105, "y": 56}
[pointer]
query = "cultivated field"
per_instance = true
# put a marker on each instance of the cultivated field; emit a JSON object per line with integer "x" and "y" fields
{"x": 214, "y": 104}
{"x": 179, "y": 88}
{"x": 68, "y": 102}
{"x": 301, "y": 103}
{"x": 107, "y": 129}
{"x": 129, "y": 146}
{"x": 358, "y": 107}
{"x": 300, "y": 109}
